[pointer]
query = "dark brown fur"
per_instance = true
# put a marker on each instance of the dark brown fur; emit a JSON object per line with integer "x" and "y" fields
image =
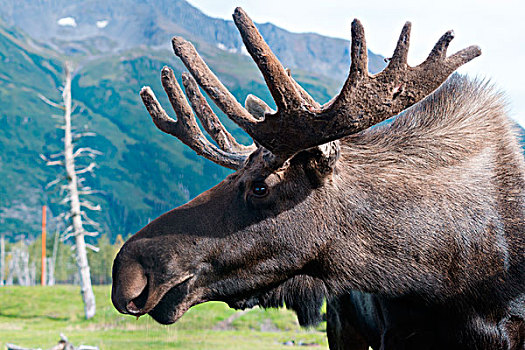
{"x": 413, "y": 233}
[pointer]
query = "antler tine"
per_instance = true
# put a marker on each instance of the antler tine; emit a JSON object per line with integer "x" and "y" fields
{"x": 209, "y": 119}
{"x": 176, "y": 98}
{"x": 281, "y": 87}
{"x": 257, "y": 107}
{"x": 438, "y": 55}
{"x": 399, "y": 58}
{"x": 439, "y": 52}
{"x": 461, "y": 57}
{"x": 185, "y": 128}
{"x": 358, "y": 52}
{"x": 358, "y": 65}
{"x": 211, "y": 84}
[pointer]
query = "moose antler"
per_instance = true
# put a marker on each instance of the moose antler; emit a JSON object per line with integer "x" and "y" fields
{"x": 230, "y": 154}
{"x": 299, "y": 122}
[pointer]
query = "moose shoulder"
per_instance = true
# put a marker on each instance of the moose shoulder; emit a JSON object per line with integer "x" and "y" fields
{"x": 412, "y": 230}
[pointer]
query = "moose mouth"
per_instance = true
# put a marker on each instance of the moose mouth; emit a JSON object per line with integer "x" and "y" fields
{"x": 169, "y": 302}
{"x": 166, "y": 303}
{"x": 175, "y": 302}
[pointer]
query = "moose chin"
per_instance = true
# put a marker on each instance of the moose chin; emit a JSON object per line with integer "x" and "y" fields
{"x": 412, "y": 231}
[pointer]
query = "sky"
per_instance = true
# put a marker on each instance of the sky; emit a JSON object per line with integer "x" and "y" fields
{"x": 498, "y": 27}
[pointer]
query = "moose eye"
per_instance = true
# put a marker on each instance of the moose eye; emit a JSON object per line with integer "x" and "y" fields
{"x": 259, "y": 189}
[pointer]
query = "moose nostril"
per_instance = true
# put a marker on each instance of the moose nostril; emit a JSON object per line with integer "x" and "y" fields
{"x": 135, "y": 305}
{"x": 132, "y": 308}
{"x": 130, "y": 286}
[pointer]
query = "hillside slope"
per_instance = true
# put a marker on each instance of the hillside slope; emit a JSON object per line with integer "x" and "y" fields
{"x": 142, "y": 172}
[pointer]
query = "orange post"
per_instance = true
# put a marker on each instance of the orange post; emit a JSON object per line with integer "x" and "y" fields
{"x": 43, "y": 278}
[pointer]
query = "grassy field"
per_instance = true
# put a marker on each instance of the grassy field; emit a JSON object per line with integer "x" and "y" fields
{"x": 35, "y": 317}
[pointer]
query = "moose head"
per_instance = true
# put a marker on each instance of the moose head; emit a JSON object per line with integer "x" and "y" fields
{"x": 289, "y": 226}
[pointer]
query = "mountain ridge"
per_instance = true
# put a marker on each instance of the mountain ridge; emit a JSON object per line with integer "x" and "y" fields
{"x": 131, "y": 23}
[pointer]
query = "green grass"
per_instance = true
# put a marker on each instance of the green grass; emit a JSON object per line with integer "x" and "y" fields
{"x": 35, "y": 317}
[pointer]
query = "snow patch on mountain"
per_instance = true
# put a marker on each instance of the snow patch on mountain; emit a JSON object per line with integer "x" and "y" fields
{"x": 67, "y": 22}
{"x": 225, "y": 48}
{"x": 102, "y": 24}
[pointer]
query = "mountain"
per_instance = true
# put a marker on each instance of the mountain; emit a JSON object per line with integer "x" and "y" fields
{"x": 117, "y": 47}
{"x": 98, "y": 26}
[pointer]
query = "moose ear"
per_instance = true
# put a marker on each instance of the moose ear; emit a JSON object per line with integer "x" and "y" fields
{"x": 321, "y": 162}
{"x": 329, "y": 155}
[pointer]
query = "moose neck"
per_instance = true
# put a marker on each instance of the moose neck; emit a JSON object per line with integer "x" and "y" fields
{"x": 404, "y": 229}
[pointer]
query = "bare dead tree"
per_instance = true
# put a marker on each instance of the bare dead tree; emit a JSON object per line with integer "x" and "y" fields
{"x": 25, "y": 275}
{"x": 2, "y": 259}
{"x": 10, "y": 270}
{"x": 75, "y": 216}
{"x": 51, "y": 261}
{"x": 32, "y": 273}
{"x": 19, "y": 267}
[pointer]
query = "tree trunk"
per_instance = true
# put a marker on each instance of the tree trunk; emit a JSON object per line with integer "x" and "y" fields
{"x": 81, "y": 255}
{"x": 85, "y": 277}
{"x": 51, "y": 262}
{"x": 2, "y": 259}
{"x": 32, "y": 273}
{"x": 11, "y": 270}
{"x": 24, "y": 260}
{"x": 50, "y": 278}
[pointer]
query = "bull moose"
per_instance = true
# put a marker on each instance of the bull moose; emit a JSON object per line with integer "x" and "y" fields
{"x": 412, "y": 231}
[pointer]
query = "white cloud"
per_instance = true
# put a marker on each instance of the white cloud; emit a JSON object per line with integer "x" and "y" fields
{"x": 67, "y": 21}
{"x": 102, "y": 23}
